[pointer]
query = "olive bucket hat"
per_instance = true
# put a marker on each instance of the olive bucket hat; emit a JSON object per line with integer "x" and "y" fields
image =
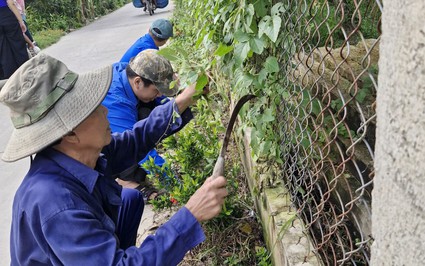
{"x": 47, "y": 101}
{"x": 156, "y": 68}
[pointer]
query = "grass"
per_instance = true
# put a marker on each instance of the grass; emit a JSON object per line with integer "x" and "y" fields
{"x": 45, "y": 38}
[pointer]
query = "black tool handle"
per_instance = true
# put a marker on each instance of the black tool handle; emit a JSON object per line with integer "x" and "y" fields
{"x": 219, "y": 165}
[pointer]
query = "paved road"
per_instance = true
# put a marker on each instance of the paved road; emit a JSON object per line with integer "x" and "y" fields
{"x": 100, "y": 43}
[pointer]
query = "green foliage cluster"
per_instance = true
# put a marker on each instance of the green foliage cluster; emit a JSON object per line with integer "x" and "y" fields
{"x": 193, "y": 152}
{"x": 238, "y": 38}
{"x": 66, "y": 14}
{"x": 253, "y": 42}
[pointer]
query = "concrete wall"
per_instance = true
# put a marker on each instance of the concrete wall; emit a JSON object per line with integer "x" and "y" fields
{"x": 398, "y": 216}
{"x": 283, "y": 231}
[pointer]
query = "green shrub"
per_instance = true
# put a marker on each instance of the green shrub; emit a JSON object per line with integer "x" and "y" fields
{"x": 193, "y": 152}
{"x": 66, "y": 14}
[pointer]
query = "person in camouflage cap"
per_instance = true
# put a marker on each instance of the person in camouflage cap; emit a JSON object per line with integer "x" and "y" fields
{"x": 137, "y": 88}
{"x": 151, "y": 66}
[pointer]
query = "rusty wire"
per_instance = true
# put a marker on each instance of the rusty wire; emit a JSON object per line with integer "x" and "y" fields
{"x": 328, "y": 120}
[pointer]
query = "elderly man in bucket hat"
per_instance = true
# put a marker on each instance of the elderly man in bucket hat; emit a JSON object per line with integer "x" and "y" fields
{"x": 136, "y": 89}
{"x": 159, "y": 33}
{"x": 68, "y": 209}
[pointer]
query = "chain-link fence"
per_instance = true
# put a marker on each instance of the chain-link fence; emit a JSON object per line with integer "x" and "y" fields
{"x": 328, "y": 120}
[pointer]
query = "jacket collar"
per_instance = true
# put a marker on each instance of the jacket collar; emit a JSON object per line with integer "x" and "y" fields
{"x": 86, "y": 175}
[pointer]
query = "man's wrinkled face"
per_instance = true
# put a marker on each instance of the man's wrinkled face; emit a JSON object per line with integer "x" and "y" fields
{"x": 94, "y": 132}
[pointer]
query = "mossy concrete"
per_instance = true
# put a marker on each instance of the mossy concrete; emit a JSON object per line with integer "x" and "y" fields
{"x": 283, "y": 231}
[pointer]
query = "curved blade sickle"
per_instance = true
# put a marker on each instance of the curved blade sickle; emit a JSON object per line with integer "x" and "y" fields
{"x": 219, "y": 165}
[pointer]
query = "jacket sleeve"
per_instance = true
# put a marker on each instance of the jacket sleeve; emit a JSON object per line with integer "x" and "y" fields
{"x": 87, "y": 243}
{"x": 129, "y": 147}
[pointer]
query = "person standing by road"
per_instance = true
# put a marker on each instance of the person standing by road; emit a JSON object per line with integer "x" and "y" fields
{"x": 68, "y": 208}
{"x": 159, "y": 32}
{"x": 32, "y": 45}
{"x": 13, "y": 52}
{"x": 20, "y": 5}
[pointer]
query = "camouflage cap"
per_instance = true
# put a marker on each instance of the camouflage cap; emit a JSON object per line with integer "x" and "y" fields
{"x": 149, "y": 65}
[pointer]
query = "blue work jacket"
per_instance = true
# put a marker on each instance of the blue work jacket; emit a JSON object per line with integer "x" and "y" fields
{"x": 65, "y": 213}
{"x": 143, "y": 43}
{"x": 121, "y": 100}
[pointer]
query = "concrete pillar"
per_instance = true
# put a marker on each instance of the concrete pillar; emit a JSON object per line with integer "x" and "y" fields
{"x": 398, "y": 205}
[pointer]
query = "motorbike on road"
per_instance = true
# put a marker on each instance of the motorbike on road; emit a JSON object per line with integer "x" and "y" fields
{"x": 150, "y": 5}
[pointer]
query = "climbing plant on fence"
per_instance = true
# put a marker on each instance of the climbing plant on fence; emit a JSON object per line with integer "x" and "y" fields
{"x": 313, "y": 66}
